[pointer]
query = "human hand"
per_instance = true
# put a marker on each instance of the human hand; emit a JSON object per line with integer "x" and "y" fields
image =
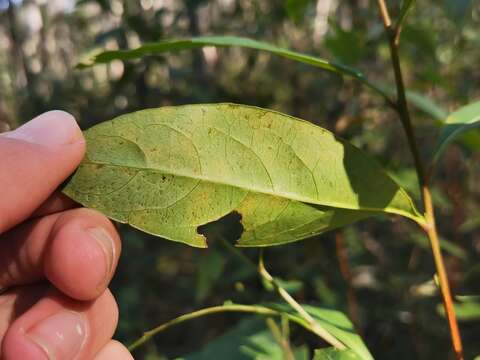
{"x": 55, "y": 260}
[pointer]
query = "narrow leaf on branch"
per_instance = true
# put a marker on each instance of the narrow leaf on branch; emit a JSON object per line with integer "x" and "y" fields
{"x": 406, "y": 8}
{"x": 227, "y": 41}
{"x": 426, "y": 105}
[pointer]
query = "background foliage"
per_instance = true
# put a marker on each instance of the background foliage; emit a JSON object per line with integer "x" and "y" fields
{"x": 379, "y": 271}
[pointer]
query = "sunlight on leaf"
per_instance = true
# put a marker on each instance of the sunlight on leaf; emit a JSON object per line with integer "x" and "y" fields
{"x": 168, "y": 171}
{"x": 336, "y": 323}
{"x": 334, "y": 354}
{"x": 460, "y": 121}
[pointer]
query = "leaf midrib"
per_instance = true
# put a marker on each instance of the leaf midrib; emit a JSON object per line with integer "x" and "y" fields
{"x": 284, "y": 195}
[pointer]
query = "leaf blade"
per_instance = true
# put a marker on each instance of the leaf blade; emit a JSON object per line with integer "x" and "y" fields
{"x": 167, "y": 171}
{"x": 460, "y": 121}
{"x": 426, "y": 105}
{"x": 404, "y": 11}
{"x": 335, "y": 322}
{"x": 226, "y": 41}
{"x": 335, "y": 354}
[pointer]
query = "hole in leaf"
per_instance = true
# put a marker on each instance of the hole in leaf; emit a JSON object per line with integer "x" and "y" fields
{"x": 228, "y": 227}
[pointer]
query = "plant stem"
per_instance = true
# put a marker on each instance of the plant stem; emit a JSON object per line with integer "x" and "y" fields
{"x": 281, "y": 339}
{"x": 430, "y": 227}
{"x": 253, "y": 309}
{"x": 347, "y": 276}
{"x": 226, "y": 308}
{"x": 431, "y": 230}
{"x": 316, "y": 327}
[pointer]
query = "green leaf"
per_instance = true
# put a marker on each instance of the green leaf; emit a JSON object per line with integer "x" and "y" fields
{"x": 168, "y": 171}
{"x": 423, "y": 103}
{"x": 335, "y": 322}
{"x": 457, "y": 123}
{"x": 225, "y": 41}
{"x": 445, "y": 245}
{"x": 249, "y": 340}
{"x": 406, "y": 7}
{"x": 334, "y": 354}
{"x": 427, "y": 105}
{"x": 467, "y": 308}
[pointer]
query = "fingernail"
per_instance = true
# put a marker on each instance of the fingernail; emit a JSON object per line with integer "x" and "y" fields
{"x": 60, "y": 336}
{"x": 51, "y": 128}
{"x": 105, "y": 241}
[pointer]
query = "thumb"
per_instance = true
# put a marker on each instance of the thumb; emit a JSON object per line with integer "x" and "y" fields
{"x": 34, "y": 160}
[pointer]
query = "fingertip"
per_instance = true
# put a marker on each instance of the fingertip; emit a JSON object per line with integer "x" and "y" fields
{"x": 35, "y": 159}
{"x": 83, "y": 254}
{"x": 51, "y": 128}
{"x": 58, "y": 327}
{"x": 74, "y": 264}
{"x": 114, "y": 350}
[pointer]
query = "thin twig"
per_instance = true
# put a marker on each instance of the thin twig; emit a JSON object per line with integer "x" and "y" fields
{"x": 384, "y": 13}
{"x": 430, "y": 227}
{"x": 347, "y": 276}
{"x": 281, "y": 339}
{"x": 316, "y": 327}
{"x": 262, "y": 271}
{"x": 252, "y": 309}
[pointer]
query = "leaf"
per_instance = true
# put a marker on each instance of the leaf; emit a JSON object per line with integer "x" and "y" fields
{"x": 225, "y": 41}
{"x": 335, "y": 354}
{"x": 406, "y": 7}
{"x": 283, "y": 221}
{"x": 445, "y": 245}
{"x": 427, "y": 105}
{"x": 335, "y": 322}
{"x": 170, "y": 170}
{"x": 457, "y": 123}
{"x": 249, "y": 340}
{"x": 422, "y": 103}
{"x": 467, "y": 308}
